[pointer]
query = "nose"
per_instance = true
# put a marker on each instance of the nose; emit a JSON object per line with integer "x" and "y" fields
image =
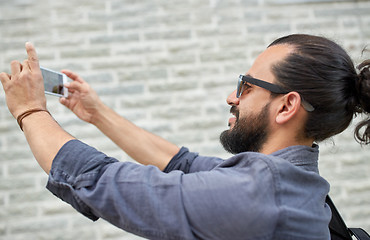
{"x": 232, "y": 100}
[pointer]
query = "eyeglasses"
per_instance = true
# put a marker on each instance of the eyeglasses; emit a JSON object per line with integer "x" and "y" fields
{"x": 243, "y": 80}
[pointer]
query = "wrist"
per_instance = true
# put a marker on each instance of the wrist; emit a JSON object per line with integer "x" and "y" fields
{"x": 37, "y": 121}
{"x": 99, "y": 114}
{"x": 27, "y": 113}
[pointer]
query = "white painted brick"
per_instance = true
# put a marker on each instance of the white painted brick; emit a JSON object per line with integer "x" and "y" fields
{"x": 168, "y": 66}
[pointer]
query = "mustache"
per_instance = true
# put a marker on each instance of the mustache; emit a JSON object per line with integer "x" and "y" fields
{"x": 234, "y": 111}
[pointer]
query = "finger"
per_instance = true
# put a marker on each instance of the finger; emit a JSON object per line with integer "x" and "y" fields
{"x": 15, "y": 67}
{"x": 25, "y": 65}
{"x": 70, "y": 95}
{"x": 33, "y": 60}
{"x": 70, "y": 91}
{"x": 64, "y": 101}
{"x": 72, "y": 75}
{"x": 4, "y": 77}
{"x": 75, "y": 86}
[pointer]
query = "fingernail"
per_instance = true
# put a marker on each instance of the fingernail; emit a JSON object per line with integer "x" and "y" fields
{"x": 67, "y": 84}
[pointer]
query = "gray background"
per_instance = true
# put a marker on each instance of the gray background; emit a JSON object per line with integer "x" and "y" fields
{"x": 168, "y": 66}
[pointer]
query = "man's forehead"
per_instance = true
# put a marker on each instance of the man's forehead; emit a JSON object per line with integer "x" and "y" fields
{"x": 262, "y": 66}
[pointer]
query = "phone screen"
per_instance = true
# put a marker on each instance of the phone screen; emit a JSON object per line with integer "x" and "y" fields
{"x": 53, "y": 81}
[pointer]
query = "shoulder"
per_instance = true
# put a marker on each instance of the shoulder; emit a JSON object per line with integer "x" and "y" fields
{"x": 240, "y": 190}
{"x": 253, "y": 162}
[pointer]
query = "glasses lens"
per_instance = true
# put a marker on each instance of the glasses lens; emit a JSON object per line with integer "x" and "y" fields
{"x": 239, "y": 87}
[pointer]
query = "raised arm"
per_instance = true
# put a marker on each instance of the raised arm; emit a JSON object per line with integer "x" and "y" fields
{"x": 143, "y": 146}
{"x": 24, "y": 90}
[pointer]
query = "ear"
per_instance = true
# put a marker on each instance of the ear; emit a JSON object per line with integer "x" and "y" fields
{"x": 289, "y": 107}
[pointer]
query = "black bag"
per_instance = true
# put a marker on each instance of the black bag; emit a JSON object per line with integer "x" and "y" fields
{"x": 339, "y": 230}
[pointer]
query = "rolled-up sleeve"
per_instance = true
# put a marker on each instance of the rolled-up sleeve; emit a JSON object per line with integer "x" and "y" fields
{"x": 190, "y": 162}
{"x": 76, "y": 166}
{"x": 139, "y": 199}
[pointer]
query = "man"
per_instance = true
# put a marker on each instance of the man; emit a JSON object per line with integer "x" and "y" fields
{"x": 301, "y": 89}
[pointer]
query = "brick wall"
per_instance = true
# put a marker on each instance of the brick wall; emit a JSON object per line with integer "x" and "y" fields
{"x": 168, "y": 66}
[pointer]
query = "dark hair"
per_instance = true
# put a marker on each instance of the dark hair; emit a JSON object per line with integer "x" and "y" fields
{"x": 325, "y": 76}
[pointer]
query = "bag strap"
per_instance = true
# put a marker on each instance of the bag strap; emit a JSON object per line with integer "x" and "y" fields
{"x": 338, "y": 228}
{"x": 360, "y": 233}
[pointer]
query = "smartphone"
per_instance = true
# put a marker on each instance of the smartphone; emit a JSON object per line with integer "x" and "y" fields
{"x": 54, "y": 82}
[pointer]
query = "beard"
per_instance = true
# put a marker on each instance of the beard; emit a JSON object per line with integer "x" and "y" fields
{"x": 248, "y": 134}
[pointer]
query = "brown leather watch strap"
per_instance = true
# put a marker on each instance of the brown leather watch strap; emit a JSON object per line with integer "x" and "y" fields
{"x": 27, "y": 113}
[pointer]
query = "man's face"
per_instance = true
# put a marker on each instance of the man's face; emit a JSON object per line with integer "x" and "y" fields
{"x": 250, "y": 127}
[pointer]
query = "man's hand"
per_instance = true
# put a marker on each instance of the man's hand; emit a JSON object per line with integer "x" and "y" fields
{"x": 24, "y": 88}
{"x": 82, "y": 99}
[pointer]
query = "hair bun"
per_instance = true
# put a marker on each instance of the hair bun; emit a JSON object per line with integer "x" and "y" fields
{"x": 363, "y": 85}
{"x": 362, "y": 131}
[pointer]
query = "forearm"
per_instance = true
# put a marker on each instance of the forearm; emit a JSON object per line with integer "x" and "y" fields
{"x": 25, "y": 98}
{"x": 143, "y": 146}
{"x": 45, "y": 137}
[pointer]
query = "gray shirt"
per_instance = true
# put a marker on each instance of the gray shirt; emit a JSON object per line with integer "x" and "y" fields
{"x": 248, "y": 196}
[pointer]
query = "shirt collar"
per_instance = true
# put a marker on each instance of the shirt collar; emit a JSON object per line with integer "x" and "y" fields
{"x": 300, "y": 155}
